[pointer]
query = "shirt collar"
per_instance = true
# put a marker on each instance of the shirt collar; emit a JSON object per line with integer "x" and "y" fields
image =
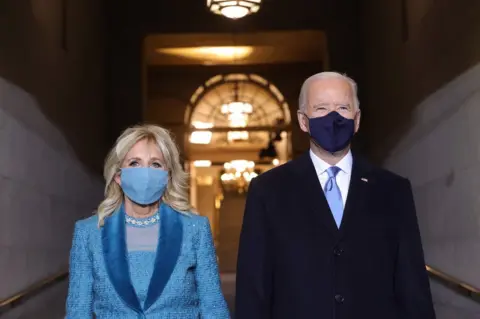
{"x": 321, "y": 166}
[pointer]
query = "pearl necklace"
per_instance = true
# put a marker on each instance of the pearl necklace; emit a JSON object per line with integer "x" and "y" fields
{"x": 144, "y": 221}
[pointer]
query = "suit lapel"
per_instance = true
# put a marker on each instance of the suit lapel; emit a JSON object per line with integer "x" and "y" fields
{"x": 116, "y": 259}
{"x": 168, "y": 251}
{"x": 313, "y": 193}
{"x": 358, "y": 192}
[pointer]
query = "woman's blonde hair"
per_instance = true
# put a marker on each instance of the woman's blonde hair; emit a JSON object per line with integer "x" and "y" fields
{"x": 176, "y": 193}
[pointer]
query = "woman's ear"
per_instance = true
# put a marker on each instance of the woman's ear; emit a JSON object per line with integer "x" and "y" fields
{"x": 117, "y": 178}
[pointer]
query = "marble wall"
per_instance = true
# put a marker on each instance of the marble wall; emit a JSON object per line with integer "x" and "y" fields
{"x": 52, "y": 135}
{"x": 440, "y": 154}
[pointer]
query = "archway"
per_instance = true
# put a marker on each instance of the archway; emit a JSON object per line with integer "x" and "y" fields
{"x": 205, "y": 112}
{"x": 238, "y": 126}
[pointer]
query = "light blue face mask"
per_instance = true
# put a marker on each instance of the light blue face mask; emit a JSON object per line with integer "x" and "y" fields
{"x": 144, "y": 185}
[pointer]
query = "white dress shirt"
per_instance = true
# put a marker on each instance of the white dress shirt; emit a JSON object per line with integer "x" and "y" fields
{"x": 343, "y": 176}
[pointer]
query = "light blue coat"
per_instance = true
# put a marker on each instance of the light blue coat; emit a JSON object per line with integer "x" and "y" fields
{"x": 180, "y": 281}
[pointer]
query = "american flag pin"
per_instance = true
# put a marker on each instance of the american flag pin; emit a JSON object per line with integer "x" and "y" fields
{"x": 364, "y": 179}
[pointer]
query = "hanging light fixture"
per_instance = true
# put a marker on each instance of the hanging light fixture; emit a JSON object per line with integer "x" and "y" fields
{"x": 234, "y": 9}
{"x": 237, "y": 113}
{"x": 237, "y": 175}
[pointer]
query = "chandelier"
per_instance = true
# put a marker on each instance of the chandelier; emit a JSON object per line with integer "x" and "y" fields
{"x": 234, "y": 9}
{"x": 237, "y": 114}
{"x": 237, "y": 175}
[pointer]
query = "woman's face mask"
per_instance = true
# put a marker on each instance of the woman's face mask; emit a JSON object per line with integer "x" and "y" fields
{"x": 143, "y": 177}
{"x": 144, "y": 185}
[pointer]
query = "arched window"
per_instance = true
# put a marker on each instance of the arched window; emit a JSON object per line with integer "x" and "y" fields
{"x": 227, "y": 104}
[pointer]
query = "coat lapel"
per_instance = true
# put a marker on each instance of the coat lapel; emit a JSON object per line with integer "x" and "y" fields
{"x": 168, "y": 251}
{"x": 358, "y": 192}
{"x": 116, "y": 259}
{"x": 313, "y": 193}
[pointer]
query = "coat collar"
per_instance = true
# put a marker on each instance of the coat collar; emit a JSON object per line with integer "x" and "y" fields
{"x": 116, "y": 256}
{"x": 314, "y": 196}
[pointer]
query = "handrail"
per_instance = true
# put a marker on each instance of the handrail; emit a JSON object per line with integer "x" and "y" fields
{"x": 12, "y": 301}
{"x": 462, "y": 287}
{"x": 30, "y": 291}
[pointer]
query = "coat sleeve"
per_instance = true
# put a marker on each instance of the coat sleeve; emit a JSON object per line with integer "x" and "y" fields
{"x": 80, "y": 290}
{"x": 254, "y": 266}
{"x": 412, "y": 286}
{"x": 212, "y": 301}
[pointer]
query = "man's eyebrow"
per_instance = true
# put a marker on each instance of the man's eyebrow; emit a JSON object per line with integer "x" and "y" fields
{"x": 320, "y": 103}
{"x": 326, "y": 103}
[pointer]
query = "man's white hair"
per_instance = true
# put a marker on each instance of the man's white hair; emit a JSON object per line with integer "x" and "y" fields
{"x": 303, "y": 99}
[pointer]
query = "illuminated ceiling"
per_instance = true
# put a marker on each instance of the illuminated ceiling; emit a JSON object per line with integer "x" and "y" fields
{"x": 209, "y": 55}
{"x": 240, "y": 49}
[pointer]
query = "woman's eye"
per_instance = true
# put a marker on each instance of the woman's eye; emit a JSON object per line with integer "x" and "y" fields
{"x": 133, "y": 163}
{"x": 157, "y": 165}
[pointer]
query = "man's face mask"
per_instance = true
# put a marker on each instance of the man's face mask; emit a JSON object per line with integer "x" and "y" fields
{"x": 332, "y": 132}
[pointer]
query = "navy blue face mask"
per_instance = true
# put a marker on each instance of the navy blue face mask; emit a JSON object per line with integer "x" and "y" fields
{"x": 144, "y": 185}
{"x": 331, "y": 132}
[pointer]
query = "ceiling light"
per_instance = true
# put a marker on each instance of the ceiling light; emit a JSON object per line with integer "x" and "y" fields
{"x": 201, "y": 137}
{"x": 212, "y": 55}
{"x": 202, "y": 163}
{"x": 237, "y": 107}
{"x": 237, "y": 175}
{"x": 234, "y": 9}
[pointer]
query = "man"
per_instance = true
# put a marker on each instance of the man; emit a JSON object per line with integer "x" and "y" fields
{"x": 327, "y": 235}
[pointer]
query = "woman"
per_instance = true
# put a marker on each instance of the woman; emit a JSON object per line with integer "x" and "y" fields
{"x": 144, "y": 254}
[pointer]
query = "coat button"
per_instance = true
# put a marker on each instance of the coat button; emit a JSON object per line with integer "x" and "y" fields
{"x": 337, "y": 251}
{"x": 339, "y": 298}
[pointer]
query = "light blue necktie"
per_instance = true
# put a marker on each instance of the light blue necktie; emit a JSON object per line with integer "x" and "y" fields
{"x": 333, "y": 195}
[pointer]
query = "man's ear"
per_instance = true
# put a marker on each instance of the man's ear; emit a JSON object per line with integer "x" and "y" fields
{"x": 357, "y": 120}
{"x": 302, "y": 121}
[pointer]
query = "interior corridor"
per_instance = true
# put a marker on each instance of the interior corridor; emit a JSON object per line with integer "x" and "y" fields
{"x": 224, "y": 78}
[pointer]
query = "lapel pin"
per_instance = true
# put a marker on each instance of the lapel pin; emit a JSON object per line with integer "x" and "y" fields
{"x": 364, "y": 179}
